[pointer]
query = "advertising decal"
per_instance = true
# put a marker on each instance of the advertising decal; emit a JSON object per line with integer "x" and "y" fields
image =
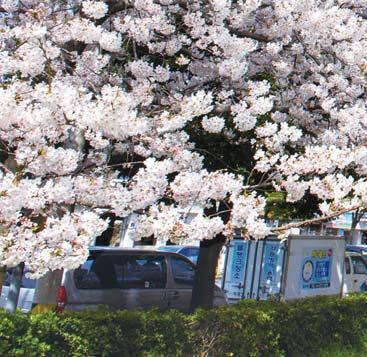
{"x": 316, "y": 268}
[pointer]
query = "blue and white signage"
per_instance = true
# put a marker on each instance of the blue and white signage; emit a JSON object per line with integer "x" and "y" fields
{"x": 316, "y": 268}
{"x": 235, "y": 269}
{"x": 272, "y": 267}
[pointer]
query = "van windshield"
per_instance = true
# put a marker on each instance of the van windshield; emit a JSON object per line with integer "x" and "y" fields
{"x": 359, "y": 265}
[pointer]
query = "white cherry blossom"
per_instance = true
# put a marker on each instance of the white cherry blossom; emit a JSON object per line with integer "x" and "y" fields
{"x": 142, "y": 106}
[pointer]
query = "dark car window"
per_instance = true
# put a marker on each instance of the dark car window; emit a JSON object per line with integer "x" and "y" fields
{"x": 145, "y": 271}
{"x": 347, "y": 265}
{"x": 183, "y": 271}
{"x": 100, "y": 272}
{"x": 359, "y": 265}
{"x": 121, "y": 272}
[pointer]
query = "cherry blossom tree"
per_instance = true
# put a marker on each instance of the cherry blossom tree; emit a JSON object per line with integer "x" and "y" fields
{"x": 156, "y": 106}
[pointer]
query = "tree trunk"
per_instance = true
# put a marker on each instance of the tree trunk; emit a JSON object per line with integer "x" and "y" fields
{"x": 2, "y": 277}
{"x": 203, "y": 290}
{"x": 356, "y": 236}
{"x": 14, "y": 288}
{"x": 105, "y": 238}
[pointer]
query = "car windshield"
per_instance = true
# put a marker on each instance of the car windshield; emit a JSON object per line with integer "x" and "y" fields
{"x": 359, "y": 265}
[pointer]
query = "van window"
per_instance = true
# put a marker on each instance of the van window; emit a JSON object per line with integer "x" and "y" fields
{"x": 145, "y": 271}
{"x": 121, "y": 272}
{"x": 99, "y": 272}
{"x": 359, "y": 265}
{"x": 183, "y": 271}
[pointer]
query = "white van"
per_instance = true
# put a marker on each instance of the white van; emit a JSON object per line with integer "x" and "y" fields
{"x": 355, "y": 273}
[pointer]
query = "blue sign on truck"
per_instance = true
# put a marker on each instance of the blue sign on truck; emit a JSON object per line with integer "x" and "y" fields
{"x": 316, "y": 268}
{"x": 253, "y": 269}
{"x": 272, "y": 268}
{"x": 235, "y": 269}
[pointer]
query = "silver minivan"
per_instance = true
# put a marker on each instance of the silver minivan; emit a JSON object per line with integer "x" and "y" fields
{"x": 131, "y": 279}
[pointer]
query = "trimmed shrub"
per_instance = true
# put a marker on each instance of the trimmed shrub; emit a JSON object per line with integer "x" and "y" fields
{"x": 245, "y": 329}
{"x": 313, "y": 324}
{"x": 248, "y": 328}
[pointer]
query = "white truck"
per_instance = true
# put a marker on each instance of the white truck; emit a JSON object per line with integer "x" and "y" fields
{"x": 304, "y": 266}
{"x": 355, "y": 272}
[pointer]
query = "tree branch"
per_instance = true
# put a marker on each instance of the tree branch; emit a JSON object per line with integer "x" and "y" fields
{"x": 248, "y": 34}
{"x": 317, "y": 220}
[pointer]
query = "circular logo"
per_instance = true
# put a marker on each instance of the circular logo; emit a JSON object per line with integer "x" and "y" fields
{"x": 307, "y": 271}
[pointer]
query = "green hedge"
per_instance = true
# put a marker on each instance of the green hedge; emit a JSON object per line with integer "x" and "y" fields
{"x": 249, "y": 328}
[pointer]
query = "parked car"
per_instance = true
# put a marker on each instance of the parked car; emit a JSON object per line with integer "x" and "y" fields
{"x": 358, "y": 248}
{"x": 25, "y": 295}
{"x": 131, "y": 279}
{"x": 189, "y": 251}
{"x": 355, "y": 272}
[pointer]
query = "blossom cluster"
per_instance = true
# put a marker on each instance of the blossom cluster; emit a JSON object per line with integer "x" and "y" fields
{"x": 100, "y": 102}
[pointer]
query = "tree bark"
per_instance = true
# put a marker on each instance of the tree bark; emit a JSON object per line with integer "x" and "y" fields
{"x": 356, "y": 236}
{"x": 105, "y": 238}
{"x": 204, "y": 281}
{"x": 2, "y": 277}
{"x": 203, "y": 290}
